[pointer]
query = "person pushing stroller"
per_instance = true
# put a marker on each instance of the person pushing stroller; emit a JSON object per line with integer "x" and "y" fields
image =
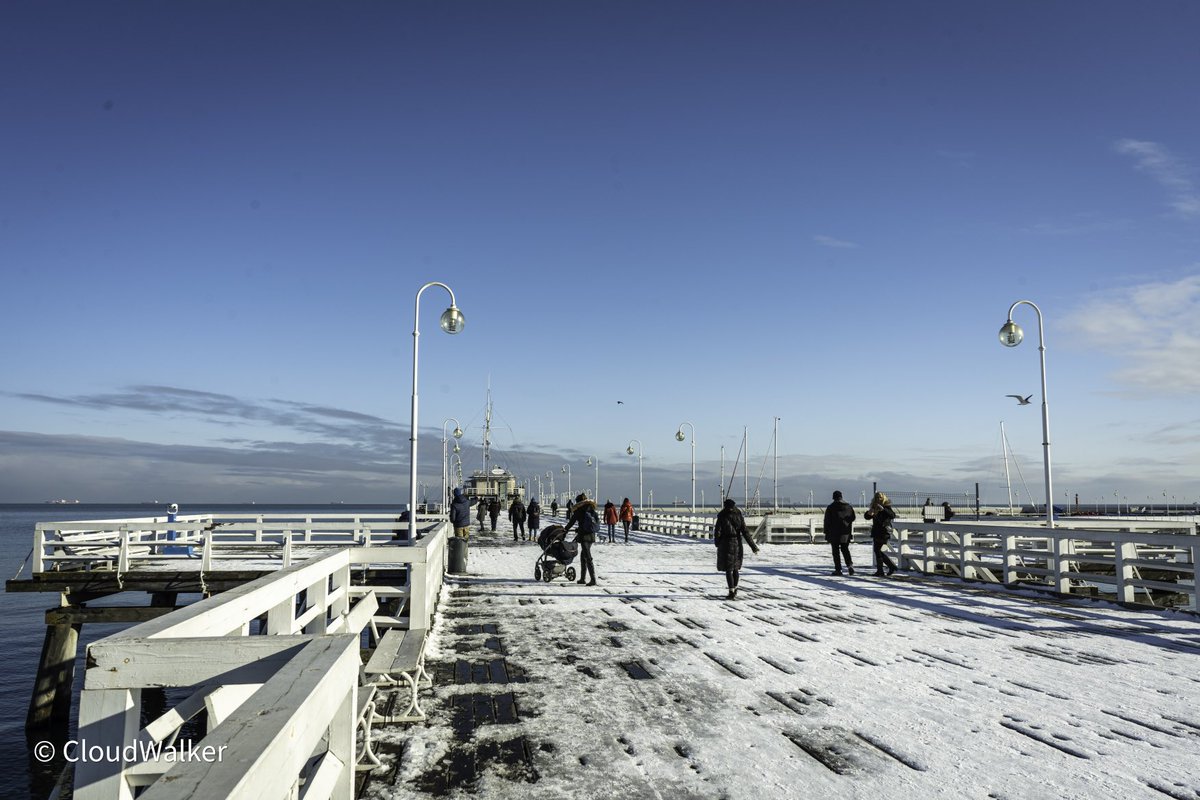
{"x": 583, "y": 514}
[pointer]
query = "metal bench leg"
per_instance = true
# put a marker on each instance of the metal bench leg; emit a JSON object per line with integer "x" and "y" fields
{"x": 367, "y": 754}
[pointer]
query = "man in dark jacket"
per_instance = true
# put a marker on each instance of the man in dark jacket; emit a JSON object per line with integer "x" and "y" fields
{"x": 516, "y": 515}
{"x": 494, "y": 512}
{"x": 584, "y": 514}
{"x": 839, "y": 527}
{"x": 728, "y": 533}
{"x": 460, "y": 514}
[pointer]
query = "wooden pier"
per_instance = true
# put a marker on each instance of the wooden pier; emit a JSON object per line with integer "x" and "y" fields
{"x": 270, "y": 663}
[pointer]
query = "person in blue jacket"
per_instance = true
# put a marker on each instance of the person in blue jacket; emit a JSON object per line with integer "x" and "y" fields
{"x": 460, "y": 514}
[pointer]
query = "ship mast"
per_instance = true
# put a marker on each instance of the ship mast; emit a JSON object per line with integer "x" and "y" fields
{"x": 1007, "y": 478}
{"x": 487, "y": 430}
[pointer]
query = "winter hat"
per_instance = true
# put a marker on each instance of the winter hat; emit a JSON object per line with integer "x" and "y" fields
{"x": 457, "y": 492}
{"x": 837, "y": 495}
{"x": 580, "y": 497}
{"x": 729, "y": 503}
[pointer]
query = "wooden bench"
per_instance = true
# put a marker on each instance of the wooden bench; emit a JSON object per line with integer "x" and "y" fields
{"x": 399, "y": 660}
{"x": 356, "y": 621}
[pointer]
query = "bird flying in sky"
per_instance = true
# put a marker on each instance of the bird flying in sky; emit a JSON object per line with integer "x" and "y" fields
{"x": 1024, "y": 401}
{"x": 620, "y": 402}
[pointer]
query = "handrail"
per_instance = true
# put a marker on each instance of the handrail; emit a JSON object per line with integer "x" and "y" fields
{"x": 154, "y": 543}
{"x": 303, "y": 671}
{"x": 1029, "y": 556}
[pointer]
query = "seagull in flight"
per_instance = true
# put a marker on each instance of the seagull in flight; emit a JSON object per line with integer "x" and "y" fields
{"x": 620, "y": 402}
{"x": 1023, "y": 401}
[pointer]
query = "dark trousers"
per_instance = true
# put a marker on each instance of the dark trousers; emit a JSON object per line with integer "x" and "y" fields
{"x": 731, "y": 578}
{"x": 518, "y": 527}
{"x": 841, "y": 551}
{"x": 612, "y": 532}
{"x": 494, "y": 518}
{"x": 533, "y": 531}
{"x": 625, "y": 523}
{"x": 586, "y": 566}
{"x": 881, "y": 558}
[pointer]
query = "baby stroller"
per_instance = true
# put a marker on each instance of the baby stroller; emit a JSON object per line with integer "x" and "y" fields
{"x": 557, "y": 554}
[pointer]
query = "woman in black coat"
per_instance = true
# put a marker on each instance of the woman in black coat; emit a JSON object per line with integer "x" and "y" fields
{"x": 881, "y": 515}
{"x": 728, "y": 533}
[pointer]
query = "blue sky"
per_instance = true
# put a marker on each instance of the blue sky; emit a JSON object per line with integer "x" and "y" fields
{"x": 214, "y": 218}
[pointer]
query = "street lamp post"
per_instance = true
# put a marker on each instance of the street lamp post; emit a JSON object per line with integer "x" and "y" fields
{"x": 567, "y": 469}
{"x": 641, "y": 454}
{"x": 1011, "y": 336}
{"x": 679, "y": 437}
{"x": 458, "y": 433}
{"x": 595, "y": 461}
{"x": 452, "y": 321}
{"x": 550, "y": 477}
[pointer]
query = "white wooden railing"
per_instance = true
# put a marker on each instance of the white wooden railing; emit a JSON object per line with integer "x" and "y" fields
{"x": 201, "y": 541}
{"x": 1089, "y": 553}
{"x": 282, "y": 704}
{"x": 771, "y": 528}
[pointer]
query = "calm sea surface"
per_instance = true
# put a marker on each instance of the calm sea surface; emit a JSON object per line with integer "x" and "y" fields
{"x": 23, "y": 627}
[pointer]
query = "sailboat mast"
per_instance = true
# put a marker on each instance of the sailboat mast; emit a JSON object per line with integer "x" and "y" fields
{"x": 1007, "y": 478}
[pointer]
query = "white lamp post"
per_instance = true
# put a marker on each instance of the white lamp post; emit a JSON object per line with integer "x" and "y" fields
{"x": 595, "y": 461}
{"x": 458, "y": 433}
{"x": 1011, "y": 336}
{"x": 629, "y": 450}
{"x": 452, "y": 321}
{"x": 679, "y": 438}
{"x": 567, "y": 469}
{"x": 550, "y": 477}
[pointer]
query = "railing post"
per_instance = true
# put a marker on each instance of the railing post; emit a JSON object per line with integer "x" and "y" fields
{"x": 109, "y": 717}
{"x": 39, "y": 549}
{"x": 1195, "y": 593}
{"x": 418, "y": 602}
{"x": 123, "y": 556}
{"x": 965, "y": 554}
{"x": 1062, "y": 546}
{"x": 1010, "y": 558}
{"x": 287, "y": 549}
{"x": 1123, "y": 553}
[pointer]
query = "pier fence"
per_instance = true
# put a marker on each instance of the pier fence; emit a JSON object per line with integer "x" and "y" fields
{"x": 276, "y": 665}
{"x": 1130, "y": 559}
{"x": 126, "y": 544}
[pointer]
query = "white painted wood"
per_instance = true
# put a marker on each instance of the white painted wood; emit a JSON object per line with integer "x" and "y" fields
{"x": 264, "y": 751}
{"x": 122, "y": 664}
{"x": 109, "y": 717}
{"x": 226, "y": 699}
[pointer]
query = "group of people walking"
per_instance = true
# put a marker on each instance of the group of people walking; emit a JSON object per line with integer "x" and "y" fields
{"x": 839, "y": 526}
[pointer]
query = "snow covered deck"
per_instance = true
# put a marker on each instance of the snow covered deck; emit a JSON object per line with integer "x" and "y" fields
{"x": 651, "y": 684}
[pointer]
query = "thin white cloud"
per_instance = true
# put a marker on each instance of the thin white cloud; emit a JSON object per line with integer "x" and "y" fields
{"x": 1152, "y": 329}
{"x": 829, "y": 241}
{"x": 1170, "y": 173}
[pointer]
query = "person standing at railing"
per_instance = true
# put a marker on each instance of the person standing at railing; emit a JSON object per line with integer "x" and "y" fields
{"x": 728, "y": 533}
{"x": 516, "y": 515}
{"x": 947, "y": 512}
{"x": 460, "y": 514}
{"x": 626, "y": 516}
{"x": 839, "y": 528}
{"x": 534, "y": 518}
{"x": 881, "y": 515}
{"x": 584, "y": 514}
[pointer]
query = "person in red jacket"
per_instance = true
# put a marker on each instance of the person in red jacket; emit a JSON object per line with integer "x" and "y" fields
{"x": 610, "y": 519}
{"x": 626, "y": 516}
